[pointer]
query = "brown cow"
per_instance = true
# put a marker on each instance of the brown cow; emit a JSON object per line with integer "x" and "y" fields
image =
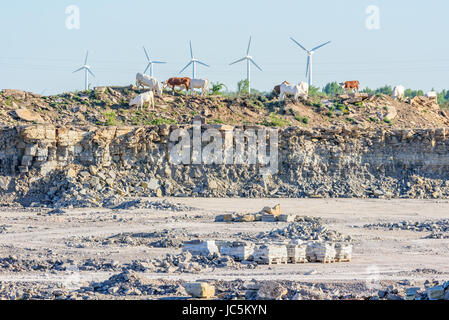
{"x": 350, "y": 85}
{"x": 177, "y": 82}
{"x": 277, "y": 88}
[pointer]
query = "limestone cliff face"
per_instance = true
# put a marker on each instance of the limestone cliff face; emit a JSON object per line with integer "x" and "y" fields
{"x": 95, "y": 166}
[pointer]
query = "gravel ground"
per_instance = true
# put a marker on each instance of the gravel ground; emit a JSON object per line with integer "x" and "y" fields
{"x": 136, "y": 253}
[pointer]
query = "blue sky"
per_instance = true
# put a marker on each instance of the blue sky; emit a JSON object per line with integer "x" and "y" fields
{"x": 38, "y": 53}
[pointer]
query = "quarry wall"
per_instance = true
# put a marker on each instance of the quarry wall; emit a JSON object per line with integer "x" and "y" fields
{"x": 99, "y": 166}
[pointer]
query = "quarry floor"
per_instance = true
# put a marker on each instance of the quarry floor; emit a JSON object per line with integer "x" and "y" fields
{"x": 379, "y": 255}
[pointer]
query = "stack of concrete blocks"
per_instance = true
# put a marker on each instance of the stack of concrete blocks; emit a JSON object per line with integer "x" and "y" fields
{"x": 320, "y": 252}
{"x": 296, "y": 251}
{"x": 343, "y": 252}
{"x": 271, "y": 254}
{"x": 239, "y": 251}
{"x": 201, "y": 248}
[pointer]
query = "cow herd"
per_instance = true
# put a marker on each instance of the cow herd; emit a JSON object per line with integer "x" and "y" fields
{"x": 296, "y": 90}
{"x": 145, "y": 81}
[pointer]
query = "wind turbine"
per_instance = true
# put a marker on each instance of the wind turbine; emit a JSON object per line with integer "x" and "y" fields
{"x": 249, "y": 60}
{"x": 309, "y": 58}
{"x": 193, "y": 62}
{"x": 151, "y": 62}
{"x": 87, "y": 70}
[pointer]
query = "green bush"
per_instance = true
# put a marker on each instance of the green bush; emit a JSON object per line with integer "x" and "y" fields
{"x": 276, "y": 121}
{"x": 333, "y": 89}
{"x": 217, "y": 88}
{"x": 111, "y": 118}
{"x": 304, "y": 120}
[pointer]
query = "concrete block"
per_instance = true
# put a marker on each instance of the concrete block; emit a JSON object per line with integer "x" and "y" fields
{"x": 202, "y": 248}
{"x": 271, "y": 254}
{"x": 200, "y": 290}
{"x": 239, "y": 251}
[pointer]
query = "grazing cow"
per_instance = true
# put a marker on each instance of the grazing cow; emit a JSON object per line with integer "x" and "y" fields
{"x": 177, "y": 82}
{"x": 202, "y": 84}
{"x": 297, "y": 90}
{"x": 350, "y": 85}
{"x": 432, "y": 94}
{"x": 277, "y": 89}
{"x": 143, "y": 80}
{"x": 398, "y": 92}
{"x": 304, "y": 90}
{"x": 141, "y": 99}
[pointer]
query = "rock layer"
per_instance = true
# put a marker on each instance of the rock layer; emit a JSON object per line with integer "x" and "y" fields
{"x": 98, "y": 166}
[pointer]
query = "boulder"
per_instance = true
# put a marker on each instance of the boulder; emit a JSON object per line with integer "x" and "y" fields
{"x": 435, "y": 293}
{"x": 29, "y": 115}
{"x": 248, "y": 218}
{"x": 275, "y": 211}
{"x": 200, "y": 290}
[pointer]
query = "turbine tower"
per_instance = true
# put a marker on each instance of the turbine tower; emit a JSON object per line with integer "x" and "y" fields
{"x": 249, "y": 60}
{"x": 309, "y": 58}
{"x": 87, "y": 70}
{"x": 150, "y": 62}
{"x": 193, "y": 62}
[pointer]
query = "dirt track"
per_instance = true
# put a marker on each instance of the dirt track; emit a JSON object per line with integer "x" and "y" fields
{"x": 31, "y": 234}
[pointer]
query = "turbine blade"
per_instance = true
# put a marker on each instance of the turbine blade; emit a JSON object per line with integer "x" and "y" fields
{"x": 307, "y": 67}
{"x": 237, "y": 61}
{"x": 254, "y": 63}
{"x": 206, "y": 65}
{"x": 146, "y": 53}
{"x": 92, "y": 74}
{"x": 249, "y": 46}
{"x": 87, "y": 55}
{"x": 77, "y": 70}
{"x": 322, "y": 45}
{"x": 191, "y": 51}
{"x": 185, "y": 67}
{"x": 148, "y": 66}
{"x": 299, "y": 44}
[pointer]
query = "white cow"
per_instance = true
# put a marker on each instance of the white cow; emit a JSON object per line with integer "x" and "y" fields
{"x": 432, "y": 94}
{"x": 398, "y": 92}
{"x": 297, "y": 90}
{"x": 304, "y": 90}
{"x": 202, "y": 84}
{"x": 141, "y": 99}
{"x": 143, "y": 80}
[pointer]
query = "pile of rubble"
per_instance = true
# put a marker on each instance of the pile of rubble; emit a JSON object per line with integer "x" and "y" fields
{"x": 267, "y": 214}
{"x": 166, "y": 238}
{"x": 131, "y": 283}
{"x": 296, "y": 251}
{"x": 431, "y": 291}
{"x": 426, "y": 102}
{"x": 163, "y": 205}
{"x": 187, "y": 262}
{"x": 439, "y": 228}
